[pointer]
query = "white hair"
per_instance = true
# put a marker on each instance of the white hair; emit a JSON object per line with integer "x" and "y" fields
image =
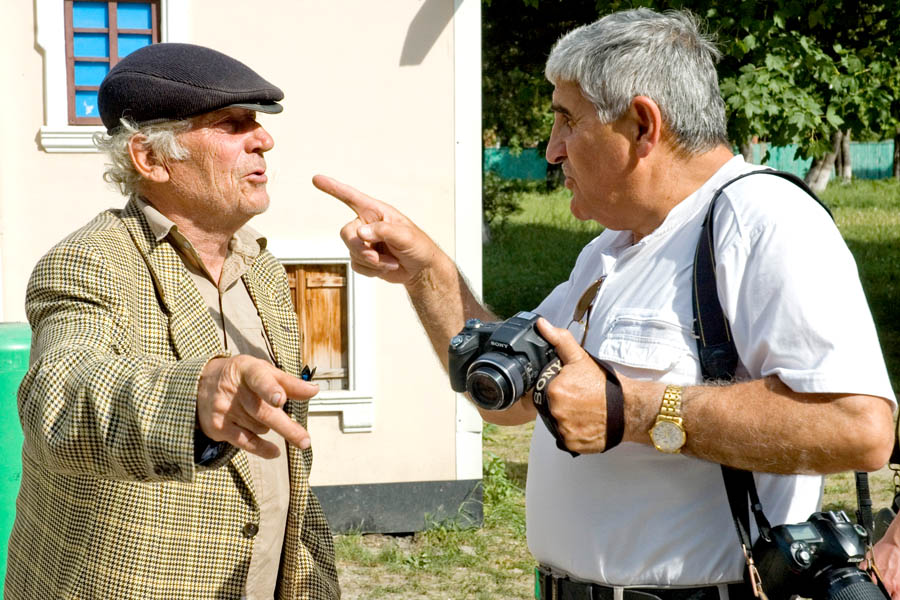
{"x": 162, "y": 138}
{"x": 639, "y": 52}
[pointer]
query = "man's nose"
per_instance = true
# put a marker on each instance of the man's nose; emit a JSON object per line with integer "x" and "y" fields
{"x": 262, "y": 140}
{"x": 556, "y": 149}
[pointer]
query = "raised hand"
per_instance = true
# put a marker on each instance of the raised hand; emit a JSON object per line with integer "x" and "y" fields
{"x": 241, "y": 397}
{"x": 382, "y": 241}
{"x": 578, "y": 394}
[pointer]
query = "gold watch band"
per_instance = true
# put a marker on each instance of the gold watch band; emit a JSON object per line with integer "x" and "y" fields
{"x": 671, "y": 401}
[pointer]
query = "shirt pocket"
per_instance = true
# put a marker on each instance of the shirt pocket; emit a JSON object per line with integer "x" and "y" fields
{"x": 650, "y": 341}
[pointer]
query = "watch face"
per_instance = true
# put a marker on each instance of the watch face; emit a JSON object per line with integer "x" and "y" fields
{"x": 667, "y": 436}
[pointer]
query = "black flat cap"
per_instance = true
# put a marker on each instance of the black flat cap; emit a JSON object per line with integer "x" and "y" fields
{"x": 172, "y": 81}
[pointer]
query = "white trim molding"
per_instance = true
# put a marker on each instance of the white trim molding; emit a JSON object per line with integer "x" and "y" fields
{"x": 56, "y": 135}
{"x": 356, "y": 405}
{"x": 467, "y": 202}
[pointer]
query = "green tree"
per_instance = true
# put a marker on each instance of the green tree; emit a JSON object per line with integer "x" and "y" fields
{"x": 808, "y": 72}
{"x": 516, "y": 38}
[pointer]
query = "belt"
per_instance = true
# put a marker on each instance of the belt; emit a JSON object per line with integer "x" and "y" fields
{"x": 562, "y": 588}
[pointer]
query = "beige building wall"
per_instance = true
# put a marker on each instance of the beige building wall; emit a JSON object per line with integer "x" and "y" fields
{"x": 373, "y": 95}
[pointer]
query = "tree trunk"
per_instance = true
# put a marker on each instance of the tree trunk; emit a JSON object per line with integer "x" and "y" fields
{"x": 897, "y": 156}
{"x": 747, "y": 150}
{"x": 820, "y": 171}
{"x": 846, "y": 166}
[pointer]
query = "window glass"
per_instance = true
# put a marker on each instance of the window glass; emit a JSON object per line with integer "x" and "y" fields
{"x": 129, "y": 42}
{"x": 133, "y": 15}
{"x": 94, "y": 45}
{"x": 90, "y": 73}
{"x": 90, "y": 14}
{"x": 86, "y": 104}
{"x": 98, "y": 35}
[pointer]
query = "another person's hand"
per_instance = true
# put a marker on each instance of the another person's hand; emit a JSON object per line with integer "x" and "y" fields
{"x": 382, "y": 241}
{"x": 578, "y": 394}
{"x": 241, "y": 397}
{"x": 887, "y": 559}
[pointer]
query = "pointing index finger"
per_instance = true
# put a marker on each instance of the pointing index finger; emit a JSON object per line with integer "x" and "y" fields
{"x": 367, "y": 208}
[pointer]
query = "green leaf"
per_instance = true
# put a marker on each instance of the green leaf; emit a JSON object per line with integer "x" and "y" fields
{"x": 832, "y": 117}
{"x": 749, "y": 41}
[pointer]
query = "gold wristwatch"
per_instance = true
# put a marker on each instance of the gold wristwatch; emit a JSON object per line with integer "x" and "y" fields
{"x": 668, "y": 433}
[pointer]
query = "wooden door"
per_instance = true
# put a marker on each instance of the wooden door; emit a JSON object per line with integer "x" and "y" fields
{"x": 319, "y": 292}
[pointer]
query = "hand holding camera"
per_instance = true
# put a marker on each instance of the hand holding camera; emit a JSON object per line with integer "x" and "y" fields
{"x": 497, "y": 363}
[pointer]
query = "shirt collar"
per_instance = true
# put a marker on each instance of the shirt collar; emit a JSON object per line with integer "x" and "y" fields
{"x": 685, "y": 210}
{"x": 161, "y": 226}
{"x": 244, "y": 247}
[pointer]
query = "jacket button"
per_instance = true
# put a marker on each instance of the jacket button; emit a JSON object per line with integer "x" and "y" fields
{"x": 250, "y": 529}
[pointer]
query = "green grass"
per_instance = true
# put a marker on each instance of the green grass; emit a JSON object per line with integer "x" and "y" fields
{"x": 532, "y": 252}
{"x": 447, "y": 561}
{"x": 868, "y": 215}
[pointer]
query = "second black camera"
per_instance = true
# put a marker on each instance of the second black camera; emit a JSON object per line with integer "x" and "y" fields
{"x": 816, "y": 559}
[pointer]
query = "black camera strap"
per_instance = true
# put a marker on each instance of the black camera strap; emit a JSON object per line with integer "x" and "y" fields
{"x": 718, "y": 362}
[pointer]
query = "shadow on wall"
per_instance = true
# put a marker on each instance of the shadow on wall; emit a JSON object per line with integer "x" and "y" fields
{"x": 426, "y": 27}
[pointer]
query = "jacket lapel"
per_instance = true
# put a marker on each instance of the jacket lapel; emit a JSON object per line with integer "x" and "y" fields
{"x": 191, "y": 328}
{"x": 275, "y": 311}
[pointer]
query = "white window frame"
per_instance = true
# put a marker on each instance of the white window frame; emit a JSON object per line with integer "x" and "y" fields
{"x": 355, "y": 405}
{"x": 56, "y": 135}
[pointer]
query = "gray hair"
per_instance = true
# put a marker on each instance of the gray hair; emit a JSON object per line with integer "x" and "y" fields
{"x": 639, "y": 52}
{"x": 162, "y": 138}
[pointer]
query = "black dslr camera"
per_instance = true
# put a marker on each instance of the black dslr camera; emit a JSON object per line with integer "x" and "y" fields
{"x": 498, "y": 362}
{"x": 816, "y": 559}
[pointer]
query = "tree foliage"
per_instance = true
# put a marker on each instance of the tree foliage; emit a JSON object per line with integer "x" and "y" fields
{"x": 793, "y": 71}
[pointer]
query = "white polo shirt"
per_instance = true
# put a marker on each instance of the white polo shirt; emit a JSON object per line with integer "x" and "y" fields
{"x": 790, "y": 289}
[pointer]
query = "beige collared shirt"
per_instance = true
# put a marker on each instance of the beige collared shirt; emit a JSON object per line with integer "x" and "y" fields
{"x": 237, "y": 319}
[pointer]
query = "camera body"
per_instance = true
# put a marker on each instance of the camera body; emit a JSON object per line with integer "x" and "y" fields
{"x": 815, "y": 559}
{"x": 496, "y": 363}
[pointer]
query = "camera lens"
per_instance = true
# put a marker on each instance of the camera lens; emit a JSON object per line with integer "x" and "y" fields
{"x": 496, "y": 380}
{"x": 848, "y": 583}
{"x": 488, "y": 389}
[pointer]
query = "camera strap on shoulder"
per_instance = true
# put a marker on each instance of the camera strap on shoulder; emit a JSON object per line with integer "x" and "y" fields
{"x": 718, "y": 362}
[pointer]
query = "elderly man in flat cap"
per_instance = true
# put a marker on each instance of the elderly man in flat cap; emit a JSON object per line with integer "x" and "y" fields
{"x": 164, "y": 412}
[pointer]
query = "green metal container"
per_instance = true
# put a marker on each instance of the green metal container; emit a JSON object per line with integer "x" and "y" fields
{"x": 15, "y": 345}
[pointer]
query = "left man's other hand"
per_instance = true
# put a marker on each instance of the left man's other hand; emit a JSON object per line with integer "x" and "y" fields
{"x": 241, "y": 397}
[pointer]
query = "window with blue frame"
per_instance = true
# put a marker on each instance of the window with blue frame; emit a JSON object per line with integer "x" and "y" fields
{"x": 98, "y": 35}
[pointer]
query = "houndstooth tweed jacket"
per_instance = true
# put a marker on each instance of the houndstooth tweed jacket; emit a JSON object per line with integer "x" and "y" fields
{"x": 111, "y": 503}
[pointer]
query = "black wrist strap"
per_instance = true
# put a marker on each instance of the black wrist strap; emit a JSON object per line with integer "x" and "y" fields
{"x": 615, "y": 405}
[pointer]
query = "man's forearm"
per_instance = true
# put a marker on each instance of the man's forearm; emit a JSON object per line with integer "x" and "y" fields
{"x": 763, "y": 425}
{"x": 443, "y": 301}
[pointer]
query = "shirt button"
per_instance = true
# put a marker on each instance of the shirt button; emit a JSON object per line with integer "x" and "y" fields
{"x": 250, "y": 530}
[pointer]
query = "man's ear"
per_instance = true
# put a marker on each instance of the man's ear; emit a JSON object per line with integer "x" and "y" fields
{"x": 648, "y": 124}
{"x": 145, "y": 160}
